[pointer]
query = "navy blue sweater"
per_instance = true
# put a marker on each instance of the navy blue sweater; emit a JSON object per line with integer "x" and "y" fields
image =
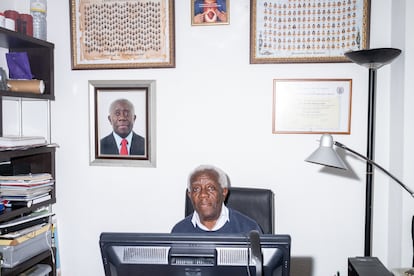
{"x": 238, "y": 223}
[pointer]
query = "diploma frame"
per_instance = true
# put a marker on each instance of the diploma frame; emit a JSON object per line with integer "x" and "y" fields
{"x": 312, "y": 106}
{"x": 303, "y": 31}
{"x": 122, "y": 34}
{"x": 141, "y": 93}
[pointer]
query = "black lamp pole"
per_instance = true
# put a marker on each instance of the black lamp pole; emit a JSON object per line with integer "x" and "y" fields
{"x": 373, "y": 59}
{"x": 370, "y": 154}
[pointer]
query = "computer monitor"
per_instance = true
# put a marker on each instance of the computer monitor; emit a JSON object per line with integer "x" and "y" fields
{"x": 157, "y": 254}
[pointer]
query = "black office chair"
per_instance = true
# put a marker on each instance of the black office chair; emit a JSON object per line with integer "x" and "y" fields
{"x": 256, "y": 203}
{"x": 412, "y": 236}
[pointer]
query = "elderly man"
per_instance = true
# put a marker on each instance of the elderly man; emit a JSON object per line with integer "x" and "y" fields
{"x": 208, "y": 189}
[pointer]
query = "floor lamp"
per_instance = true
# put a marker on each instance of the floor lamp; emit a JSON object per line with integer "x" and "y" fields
{"x": 373, "y": 59}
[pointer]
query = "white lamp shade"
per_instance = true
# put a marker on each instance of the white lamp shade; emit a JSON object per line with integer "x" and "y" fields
{"x": 326, "y": 155}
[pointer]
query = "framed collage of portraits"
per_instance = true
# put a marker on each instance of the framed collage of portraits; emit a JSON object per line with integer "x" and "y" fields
{"x": 300, "y": 31}
{"x": 119, "y": 34}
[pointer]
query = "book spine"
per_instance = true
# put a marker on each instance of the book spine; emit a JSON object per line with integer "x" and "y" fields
{"x": 25, "y": 203}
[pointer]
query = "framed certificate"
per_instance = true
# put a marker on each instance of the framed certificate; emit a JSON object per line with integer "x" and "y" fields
{"x": 312, "y": 106}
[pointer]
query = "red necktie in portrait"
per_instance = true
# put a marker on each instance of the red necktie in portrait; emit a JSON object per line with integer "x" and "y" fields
{"x": 124, "y": 149}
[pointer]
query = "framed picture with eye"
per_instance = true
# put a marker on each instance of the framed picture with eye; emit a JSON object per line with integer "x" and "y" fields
{"x": 210, "y": 12}
{"x": 122, "y": 123}
{"x": 122, "y": 34}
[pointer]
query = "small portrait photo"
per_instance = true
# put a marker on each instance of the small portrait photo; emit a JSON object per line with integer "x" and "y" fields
{"x": 210, "y": 12}
{"x": 121, "y": 124}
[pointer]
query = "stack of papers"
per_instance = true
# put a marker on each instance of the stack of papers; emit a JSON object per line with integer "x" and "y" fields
{"x": 18, "y": 141}
{"x": 25, "y": 190}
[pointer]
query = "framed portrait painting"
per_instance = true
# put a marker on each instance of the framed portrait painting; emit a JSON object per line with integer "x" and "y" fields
{"x": 300, "y": 31}
{"x": 210, "y": 12}
{"x": 122, "y": 122}
{"x": 116, "y": 34}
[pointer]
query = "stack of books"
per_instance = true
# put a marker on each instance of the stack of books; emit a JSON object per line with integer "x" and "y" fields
{"x": 26, "y": 189}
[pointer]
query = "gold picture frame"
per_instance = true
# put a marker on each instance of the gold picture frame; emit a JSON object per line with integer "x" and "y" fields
{"x": 312, "y": 106}
{"x": 122, "y": 34}
{"x": 303, "y": 31}
{"x": 210, "y": 12}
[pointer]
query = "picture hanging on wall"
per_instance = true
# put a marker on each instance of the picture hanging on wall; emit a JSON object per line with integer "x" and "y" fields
{"x": 122, "y": 123}
{"x": 117, "y": 34}
{"x": 300, "y": 31}
{"x": 313, "y": 106}
{"x": 210, "y": 12}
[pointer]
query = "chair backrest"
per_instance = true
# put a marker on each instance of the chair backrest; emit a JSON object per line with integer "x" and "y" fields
{"x": 412, "y": 236}
{"x": 256, "y": 203}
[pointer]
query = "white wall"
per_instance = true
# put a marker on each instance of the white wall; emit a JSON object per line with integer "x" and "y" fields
{"x": 408, "y": 134}
{"x": 215, "y": 107}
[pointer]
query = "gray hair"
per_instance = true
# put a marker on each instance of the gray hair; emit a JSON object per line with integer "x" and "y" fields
{"x": 126, "y": 101}
{"x": 221, "y": 175}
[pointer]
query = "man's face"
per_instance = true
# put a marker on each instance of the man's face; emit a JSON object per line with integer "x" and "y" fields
{"x": 207, "y": 196}
{"x": 122, "y": 119}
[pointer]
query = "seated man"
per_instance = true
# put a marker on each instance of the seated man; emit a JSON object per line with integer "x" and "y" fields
{"x": 207, "y": 189}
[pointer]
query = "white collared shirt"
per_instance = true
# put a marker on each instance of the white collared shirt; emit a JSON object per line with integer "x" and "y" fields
{"x": 118, "y": 140}
{"x": 223, "y": 218}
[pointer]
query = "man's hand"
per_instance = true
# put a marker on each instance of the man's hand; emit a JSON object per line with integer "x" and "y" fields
{"x": 222, "y": 16}
{"x": 199, "y": 18}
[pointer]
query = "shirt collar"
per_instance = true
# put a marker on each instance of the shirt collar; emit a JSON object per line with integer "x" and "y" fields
{"x": 118, "y": 140}
{"x": 223, "y": 218}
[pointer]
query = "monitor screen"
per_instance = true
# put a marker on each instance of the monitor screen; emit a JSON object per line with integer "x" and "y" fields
{"x": 158, "y": 254}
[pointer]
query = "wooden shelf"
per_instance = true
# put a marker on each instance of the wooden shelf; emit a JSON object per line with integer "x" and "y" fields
{"x": 41, "y": 59}
{"x": 34, "y": 159}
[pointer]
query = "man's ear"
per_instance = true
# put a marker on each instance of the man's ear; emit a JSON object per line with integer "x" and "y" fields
{"x": 225, "y": 193}
{"x": 109, "y": 119}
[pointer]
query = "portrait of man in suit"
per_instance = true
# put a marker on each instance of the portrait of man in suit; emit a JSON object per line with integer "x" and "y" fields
{"x": 122, "y": 140}
{"x": 122, "y": 123}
